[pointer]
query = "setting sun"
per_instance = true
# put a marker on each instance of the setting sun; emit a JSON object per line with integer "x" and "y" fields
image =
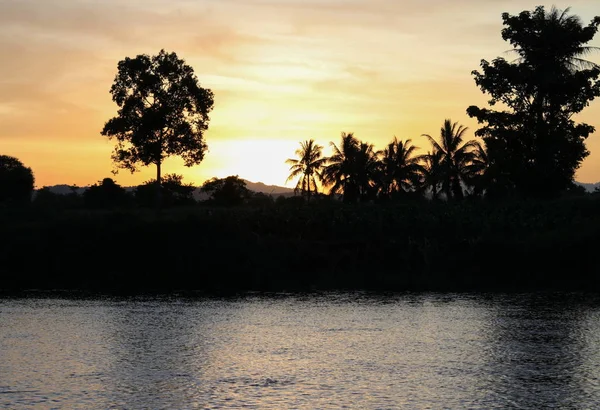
{"x": 281, "y": 72}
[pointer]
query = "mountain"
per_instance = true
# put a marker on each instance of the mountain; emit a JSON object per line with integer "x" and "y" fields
{"x": 273, "y": 190}
{"x": 64, "y": 189}
{"x": 589, "y": 187}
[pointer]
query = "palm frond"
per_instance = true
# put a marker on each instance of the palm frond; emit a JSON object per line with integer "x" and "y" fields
{"x": 433, "y": 142}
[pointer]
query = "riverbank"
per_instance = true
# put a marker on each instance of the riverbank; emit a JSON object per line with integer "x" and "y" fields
{"x": 408, "y": 246}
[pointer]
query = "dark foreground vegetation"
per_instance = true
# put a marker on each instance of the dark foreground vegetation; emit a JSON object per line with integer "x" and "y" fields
{"x": 328, "y": 245}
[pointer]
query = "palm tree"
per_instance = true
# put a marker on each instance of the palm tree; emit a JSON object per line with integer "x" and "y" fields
{"x": 351, "y": 169}
{"x": 431, "y": 173}
{"x": 478, "y": 173}
{"x": 455, "y": 157}
{"x": 400, "y": 168}
{"x": 485, "y": 175}
{"x": 366, "y": 167}
{"x": 308, "y": 167}
{"x": 338, "y": 172}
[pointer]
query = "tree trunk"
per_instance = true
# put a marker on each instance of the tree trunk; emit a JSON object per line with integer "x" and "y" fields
{"x": 158, "y": 187}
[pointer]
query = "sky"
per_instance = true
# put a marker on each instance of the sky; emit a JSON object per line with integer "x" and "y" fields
{"x": 282, "y": 71}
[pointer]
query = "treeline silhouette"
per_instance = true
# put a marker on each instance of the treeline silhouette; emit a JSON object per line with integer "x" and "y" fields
{"x": 108, "y": 195}
{"x": 453, "y": 169}
{"x": 499, "y": 213}
{"x": 405, "y": 245}
{"x": 111, "y": 240}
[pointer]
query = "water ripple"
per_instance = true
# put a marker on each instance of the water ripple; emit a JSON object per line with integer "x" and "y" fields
{"x": 302, "y": 351}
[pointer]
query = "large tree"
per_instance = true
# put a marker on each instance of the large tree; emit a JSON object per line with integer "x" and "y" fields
{"x": 163, "y": 111}
{"x": 534, "y": 146}
{"x": 16, "y": 180}
{"x": 307, "y": 167}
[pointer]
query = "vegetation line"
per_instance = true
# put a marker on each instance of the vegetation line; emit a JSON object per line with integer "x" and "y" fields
{"x": 498, "y": 212}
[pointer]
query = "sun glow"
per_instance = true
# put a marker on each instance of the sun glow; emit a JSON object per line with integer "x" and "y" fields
{"x": 282, "y": 72}
{"x": 252, "y": 159}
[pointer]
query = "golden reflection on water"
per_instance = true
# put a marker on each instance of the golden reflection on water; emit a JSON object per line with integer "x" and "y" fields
{"x": 327, "y": 351}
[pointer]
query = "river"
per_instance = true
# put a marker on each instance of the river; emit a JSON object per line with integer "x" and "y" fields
{"x": 313, "y": 351}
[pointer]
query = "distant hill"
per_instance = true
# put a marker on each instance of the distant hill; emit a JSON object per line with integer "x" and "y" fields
{"x": 64, "y": 189}
{"x": 589, "y": 187}
{"x": 273, "y": 190}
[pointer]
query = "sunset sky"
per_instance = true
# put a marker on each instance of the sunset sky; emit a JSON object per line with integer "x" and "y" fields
{"x": 282, "y": 71}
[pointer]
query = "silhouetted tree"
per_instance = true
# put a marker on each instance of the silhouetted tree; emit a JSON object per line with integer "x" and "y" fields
{"x": 575, "y": 190}
{"x": 16, "y": 181}
{"x": 105, "y": 194}
{"x": 307, "y": 167}
{"x": 351, "y": 169}
{"x": 174, "y": 192}
{"x": 551, "y": 26}
{"x": 280, "y": 200}
{"x": 366, "y": 165}
{"x": 227, "y": 191}
{"x": 479, "y": 173}
{"x": 163, "y": 111}
{"x": 45, "y": 198}
{"x": 400, "y": 170}
{"x": 338, "y": 174}
{"x": 455, "y": 158}
{"x": 431, "y": 173}
{"x": 290, "y": 201}
{"x": 260, "y": 199}
{"x": 533, "y": 145}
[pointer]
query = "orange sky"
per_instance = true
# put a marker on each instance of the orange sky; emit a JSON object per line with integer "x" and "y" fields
{"x": 282, "y": 71}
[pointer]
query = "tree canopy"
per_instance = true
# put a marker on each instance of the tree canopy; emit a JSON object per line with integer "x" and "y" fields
{"x": 174, "y": 191}
{"x": 163, "y": 111}
{"x": 16, "y": 180}
{"x": 227, "y": 191}
{"x": 533, "y": 144}
{"x": 105, "y": 194}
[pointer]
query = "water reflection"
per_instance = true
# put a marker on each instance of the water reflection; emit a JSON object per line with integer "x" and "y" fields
{"x": 161, "y": 351}
{"x": 537, "y": 351}
{"x": 312, "y": 351}
{"x": 51, "y": 351}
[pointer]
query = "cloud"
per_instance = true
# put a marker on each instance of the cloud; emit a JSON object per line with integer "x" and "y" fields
{"x": 280, "y": 69}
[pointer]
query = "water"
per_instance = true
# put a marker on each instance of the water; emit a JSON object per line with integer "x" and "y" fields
{"x": 315, "y": 352}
